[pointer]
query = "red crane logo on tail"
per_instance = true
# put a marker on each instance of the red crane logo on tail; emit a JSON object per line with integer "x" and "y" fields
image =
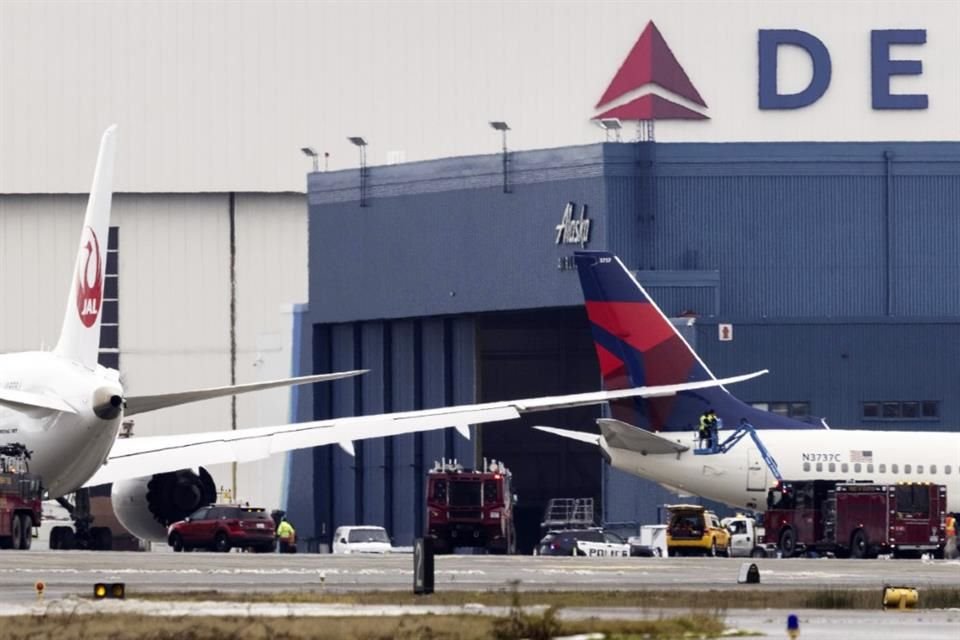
{"x": 89, "y": 278}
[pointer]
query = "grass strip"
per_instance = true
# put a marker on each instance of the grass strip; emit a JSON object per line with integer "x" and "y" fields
{"x": 515, "y": 626}
{"x": 733, "y": 597}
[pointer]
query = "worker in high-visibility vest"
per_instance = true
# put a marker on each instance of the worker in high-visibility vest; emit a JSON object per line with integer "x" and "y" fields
{"x": 950, "y": 548}
{"x": 287, "y": 536}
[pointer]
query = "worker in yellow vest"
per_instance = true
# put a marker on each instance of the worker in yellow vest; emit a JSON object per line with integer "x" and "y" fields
{"x": 287, "y": 536}
{"x": 950, "y": 549}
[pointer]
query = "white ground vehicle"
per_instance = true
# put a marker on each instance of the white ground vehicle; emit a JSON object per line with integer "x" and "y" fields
{"x": 611, "y": 546}
{"x": 746, "y": 538}
{"x": 361, "y": 540}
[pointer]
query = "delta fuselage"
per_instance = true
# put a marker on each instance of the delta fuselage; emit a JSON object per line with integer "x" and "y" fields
{"x": 740, "y": 477}
{"x": 68, "y": 448}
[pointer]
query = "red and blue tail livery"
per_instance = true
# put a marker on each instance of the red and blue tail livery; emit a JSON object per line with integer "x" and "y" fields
{"x": 637, "y": 345}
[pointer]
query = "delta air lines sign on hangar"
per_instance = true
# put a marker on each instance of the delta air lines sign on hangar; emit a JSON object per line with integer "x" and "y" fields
{"x": 858, "y": 77}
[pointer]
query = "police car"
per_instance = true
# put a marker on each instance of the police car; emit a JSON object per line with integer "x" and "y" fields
{"x": 593, "y": 542}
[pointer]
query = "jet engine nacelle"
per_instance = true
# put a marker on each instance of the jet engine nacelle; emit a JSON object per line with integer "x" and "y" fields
{"x": 147, "y": 506}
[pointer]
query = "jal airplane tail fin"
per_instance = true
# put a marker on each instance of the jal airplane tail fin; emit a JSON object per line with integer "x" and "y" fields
{"x": 80, "y": 336}
{"x": 637, "y": 345}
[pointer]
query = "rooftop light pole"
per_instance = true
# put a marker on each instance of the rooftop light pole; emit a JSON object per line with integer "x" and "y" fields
{"x": 361, "y": 144}
{"x": 503, "y": 127}
{"x": 311, "y": 153}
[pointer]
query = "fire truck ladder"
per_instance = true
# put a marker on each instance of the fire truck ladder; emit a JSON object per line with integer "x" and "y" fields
{"x": 744, "y": 429}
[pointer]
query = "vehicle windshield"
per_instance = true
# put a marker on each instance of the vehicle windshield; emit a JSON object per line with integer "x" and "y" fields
{"x": 367, "y": 535}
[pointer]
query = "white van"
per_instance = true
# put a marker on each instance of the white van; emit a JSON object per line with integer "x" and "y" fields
{"x": 361, "y": 540}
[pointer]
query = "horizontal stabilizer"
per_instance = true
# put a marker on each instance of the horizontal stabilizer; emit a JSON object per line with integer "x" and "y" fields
{"x": 581, "y": 436}
{"x": 142, "y": 404}
{"x": 620, "y": 435}
{"x": 27, "y": 399}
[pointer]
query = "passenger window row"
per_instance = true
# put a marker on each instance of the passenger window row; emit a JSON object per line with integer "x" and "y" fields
{"x": 881, "y": 468}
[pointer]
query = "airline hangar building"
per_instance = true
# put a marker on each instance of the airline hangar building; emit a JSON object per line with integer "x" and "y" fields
{"x": 834, "y": 265}
{"x": 772, "y": 202}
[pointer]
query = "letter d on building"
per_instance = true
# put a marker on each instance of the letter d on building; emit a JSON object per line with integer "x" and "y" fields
{"x": 769, "y": 42}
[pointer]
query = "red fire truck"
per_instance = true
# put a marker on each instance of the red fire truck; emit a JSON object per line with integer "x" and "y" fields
{"x": 20, "y": 498}
{"x": 470, "y": 508}
{"x": 860, "y": 520}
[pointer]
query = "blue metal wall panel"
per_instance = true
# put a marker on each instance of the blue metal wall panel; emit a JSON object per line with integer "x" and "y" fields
{"x": 301, "y": 473}
{"x": 925, "y": 233}
{"x": 836, "y": 366}
{"x": 374, "y": 463}
{"x": 776, "y": 240}
{"x": 464, "y": 383}
{"x": 406, "y": 521}
{"x": 345, "y": 476}
{"x": 434, "y": 387}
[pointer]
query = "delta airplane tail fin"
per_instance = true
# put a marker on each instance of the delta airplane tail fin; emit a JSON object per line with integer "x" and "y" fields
{"x": 637, "y": 345}
{"x": 80, "y": 336}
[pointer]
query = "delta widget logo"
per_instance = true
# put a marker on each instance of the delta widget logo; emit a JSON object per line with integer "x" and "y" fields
{"x": 650, "y": 63}
{"x": 89, "y": 278}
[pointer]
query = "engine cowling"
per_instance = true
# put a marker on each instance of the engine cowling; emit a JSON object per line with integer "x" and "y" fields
{"x": 147, "y": 506}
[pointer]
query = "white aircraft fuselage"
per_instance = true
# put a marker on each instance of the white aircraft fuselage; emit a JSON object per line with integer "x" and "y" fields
{"x": 740, "y": 477}
{"x": 67, "y": 447}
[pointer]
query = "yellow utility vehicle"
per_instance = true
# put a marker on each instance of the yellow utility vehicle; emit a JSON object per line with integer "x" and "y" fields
{"x": 691, "y": 529}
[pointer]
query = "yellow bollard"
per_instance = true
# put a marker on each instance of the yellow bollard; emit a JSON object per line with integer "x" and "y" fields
{"x": 900, "y": 598}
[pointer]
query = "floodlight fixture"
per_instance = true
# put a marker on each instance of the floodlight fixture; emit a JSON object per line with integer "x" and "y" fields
{"x": 500, "y": 126}
{"x": 358, "y": 141}
{"x": 311, "y": 153}
{"x": 610, "y": 123}
{"x": 611, "y": 126}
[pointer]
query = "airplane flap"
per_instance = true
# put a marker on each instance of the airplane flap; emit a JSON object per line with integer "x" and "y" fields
{"x": 621, "y": 435}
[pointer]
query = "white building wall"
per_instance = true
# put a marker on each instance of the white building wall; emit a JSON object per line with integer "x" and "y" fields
{"x": 174, "y": 301}
{"x": 216, "y": 95}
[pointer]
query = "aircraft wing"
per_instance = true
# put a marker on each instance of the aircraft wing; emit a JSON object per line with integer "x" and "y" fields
{"x": 138, "y": 457}
{"x": 141, "y": 404}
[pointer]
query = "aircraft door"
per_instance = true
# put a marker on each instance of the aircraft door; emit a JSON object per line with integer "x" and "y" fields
{"x": 756, "y": 471}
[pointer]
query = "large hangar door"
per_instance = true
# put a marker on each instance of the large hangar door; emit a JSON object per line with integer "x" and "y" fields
{"x": 537, "y": 353}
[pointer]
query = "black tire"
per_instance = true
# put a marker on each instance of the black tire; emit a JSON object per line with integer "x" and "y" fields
{"x": 56, "y": 538}
{"x": 788, "y": 542}
{"x": 16, "y": 531}
{"x": 221, "y": 543}
{"x": 713, "y": 548}
{"x": 858, "y": 544}
{"x": 176, "y": 542}
{"x": 27, "y": 531}
{"x": 758, "y": 553}
{"x": 68, "y": 539}
{"x": 101, "y": 539}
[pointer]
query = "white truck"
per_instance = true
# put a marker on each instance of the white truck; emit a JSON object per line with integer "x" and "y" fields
{"x": 746, "y": 538}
